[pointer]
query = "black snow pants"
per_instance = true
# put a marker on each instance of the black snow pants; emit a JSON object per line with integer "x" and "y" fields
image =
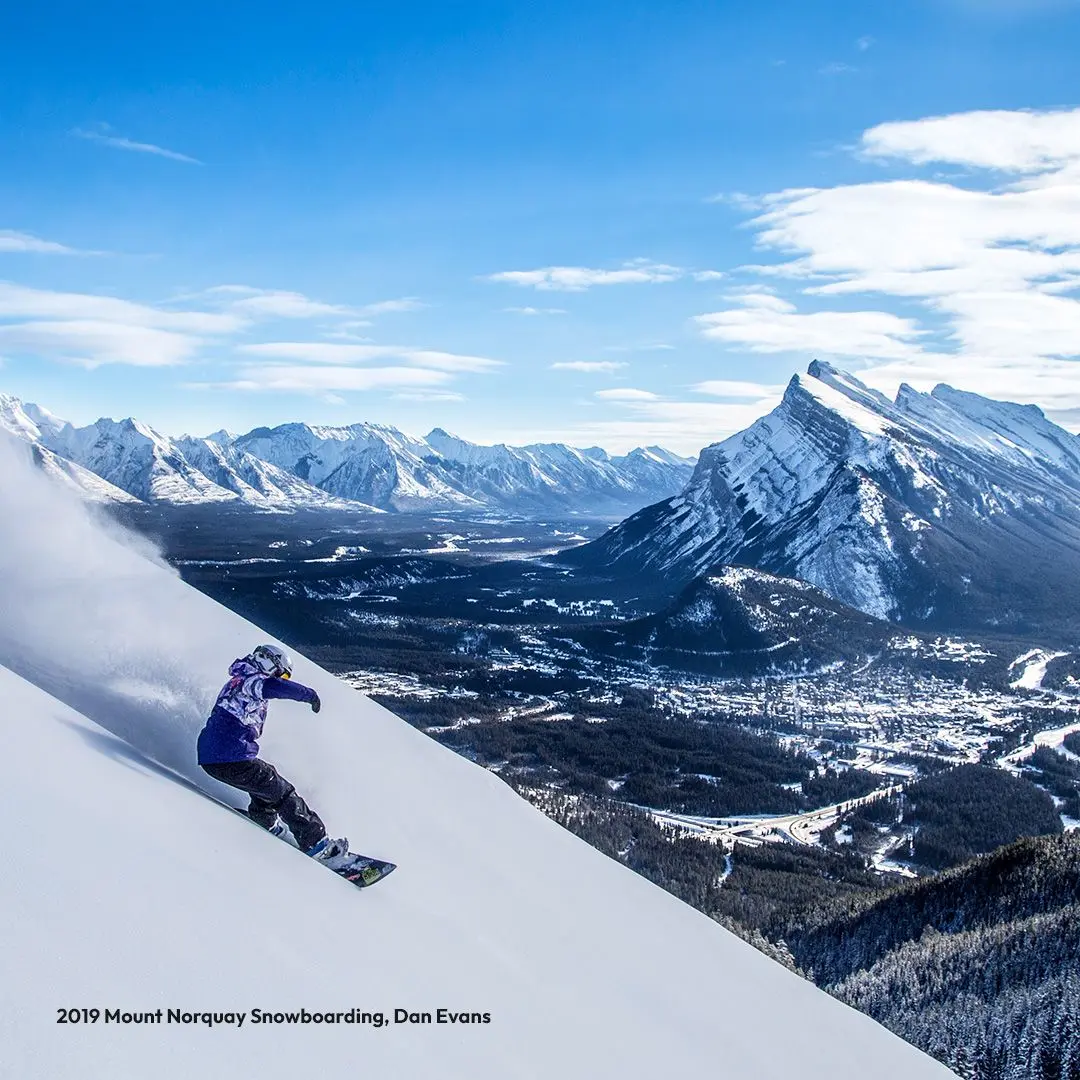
{"x": 271, "y": 796}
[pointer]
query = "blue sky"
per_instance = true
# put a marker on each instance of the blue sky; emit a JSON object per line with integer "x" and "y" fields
{"x": 613, "y": 223}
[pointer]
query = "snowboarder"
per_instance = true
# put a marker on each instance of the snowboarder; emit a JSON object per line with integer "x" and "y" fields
{"x": 229, "y": 750}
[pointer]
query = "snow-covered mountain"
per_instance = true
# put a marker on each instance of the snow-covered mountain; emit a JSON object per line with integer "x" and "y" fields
{"x": 29, "y": 425}
{"x": 942, "y": 509}
{"x": 128, "y": 461}
{"x": 360, "y": 467}
{"x": 371, "y": 463}
{"x": 256, "y": 482}
{"x": 126, "y": 889}
{"x": 383, "y": 466}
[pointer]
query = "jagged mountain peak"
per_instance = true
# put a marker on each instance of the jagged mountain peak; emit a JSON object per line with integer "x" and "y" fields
{"x": 384, "y": 466}
{"x": 934, "y": 509}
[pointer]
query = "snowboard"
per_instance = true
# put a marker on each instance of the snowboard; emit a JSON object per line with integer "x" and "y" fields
{"x": 360, "y": 870}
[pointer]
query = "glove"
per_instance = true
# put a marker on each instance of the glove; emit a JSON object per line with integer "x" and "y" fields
{"x": 316, "y": 704}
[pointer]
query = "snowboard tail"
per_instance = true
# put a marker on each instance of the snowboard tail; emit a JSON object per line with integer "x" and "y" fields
{"x": 364, "y": 870}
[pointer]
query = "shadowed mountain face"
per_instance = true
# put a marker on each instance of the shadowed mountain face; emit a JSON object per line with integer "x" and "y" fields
{"x": 942, "y": 510}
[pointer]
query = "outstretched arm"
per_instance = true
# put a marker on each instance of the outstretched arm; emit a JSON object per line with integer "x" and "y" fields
{"x": 293, "y": 691}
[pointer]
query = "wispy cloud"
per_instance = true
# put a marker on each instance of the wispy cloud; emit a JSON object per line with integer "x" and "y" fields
{"x": 22, "y": 301}
{"x": 682, "y": 426}
{"x": 95, "y": 330}
{"x": 836, "y": 67}
{"x": 588, "y": 365}
{"x": 12, "y": 241}
{"x": 733, "y": 388}
{"x": 581, "y": 278}
{"x": 626, "y": 393}
{"x": 323, "y": 352}
{"x": 92, "y": 343}
{"x": 273, "y": 303}
{"x": 320, "y": 379}
{"x": 429, "y": 395}
{"x": 536, "y": 310}
{"x": 259, "y": 303}
{"x": 864, "y": 43}
{"x": 103, "y": 134}
{"x": 647, "y": 346}
{"x": 392, "y": 307}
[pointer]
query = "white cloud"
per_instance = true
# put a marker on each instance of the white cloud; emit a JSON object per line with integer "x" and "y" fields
{"x": 580, "y": 278}
{"x": 994, "y": 270}
{"x": 392, "y": 307}
{"x": 733, "y": 388}
{"x": 322, "y": 352}
{"x": 275, "y": 303}
{"x": 12, "y": 241}
{"x": 428, "y": 395}
{"x": 94, "y": 343}
{"x": 626, "y": 393}
{"x": 316, "y": 379}
{"x": 96, "y": 330}
{"x": 1013, "y": 141}
{"x": 20, "y": 301}
{"x": 836, "y": 67}
{"x": 445, "y": 361}
{"x": 767, "y": 328}
{"x": 256, "y": 303}
{"x": 682, "y": 426}
{"x": 864, "y": 43}
{"x": 588, "y": 365}
{"x": 101, "y": 134}
{"x": 536, "y": 310}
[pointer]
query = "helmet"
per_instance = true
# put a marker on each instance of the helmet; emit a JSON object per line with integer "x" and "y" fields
{"x": 273, "y": 660}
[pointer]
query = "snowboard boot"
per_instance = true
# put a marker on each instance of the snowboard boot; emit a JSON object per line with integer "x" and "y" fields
{"x": 331, "y": 853}
{"x": 279, "y": 829}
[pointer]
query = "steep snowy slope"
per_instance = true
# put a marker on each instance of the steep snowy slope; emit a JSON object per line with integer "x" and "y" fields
{"x": 945, "y": 509}
{"x": 123, "y": 888}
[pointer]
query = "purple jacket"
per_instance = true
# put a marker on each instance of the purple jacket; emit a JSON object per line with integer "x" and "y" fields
{"x": 236, "y": 723}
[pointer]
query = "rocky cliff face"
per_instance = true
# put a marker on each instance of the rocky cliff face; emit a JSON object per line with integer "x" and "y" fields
{"x": 936, "y": 509}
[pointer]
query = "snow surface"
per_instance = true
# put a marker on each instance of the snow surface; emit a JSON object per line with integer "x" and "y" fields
{"x": 124, "y": 888}
{"x": 1034, "y": 664}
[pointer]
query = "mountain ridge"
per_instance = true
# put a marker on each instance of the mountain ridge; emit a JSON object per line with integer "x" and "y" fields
{"x": 920, "y": 510}
{"x": 364, "y": 466}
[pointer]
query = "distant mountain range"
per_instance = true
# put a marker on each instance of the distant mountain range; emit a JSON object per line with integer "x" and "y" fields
{"x": 362, "y": 467}
{"x": 937, "y": 509}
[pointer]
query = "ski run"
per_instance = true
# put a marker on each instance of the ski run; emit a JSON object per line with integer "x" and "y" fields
{"x": 126, "y": 891}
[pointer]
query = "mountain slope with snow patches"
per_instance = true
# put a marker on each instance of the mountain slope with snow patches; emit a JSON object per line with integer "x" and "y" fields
{"x": 383, "y": 466}
{"x": 126, "y": 889}
{"x": 937, "y": 509}
{"x": 360, "y": 467}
